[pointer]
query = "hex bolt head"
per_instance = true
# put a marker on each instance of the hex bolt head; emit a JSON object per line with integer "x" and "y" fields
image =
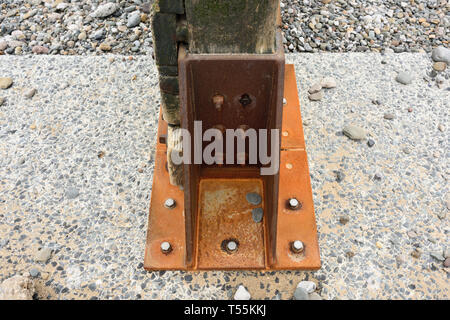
{"x": 284, "y": 101}
{"x": 169, "y": 203}
{"x": 297, "y": 246}
{"x": 293, "y": 203}
{"x": 231, "y": 245}
{"x": 166, "y": 247}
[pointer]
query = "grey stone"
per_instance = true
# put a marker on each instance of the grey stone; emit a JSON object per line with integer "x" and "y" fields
{"x": 389, "y": 116}
{"x": 257, "y": 214}
{"x": 328, "y": 83}
{"x": 354, "y": 132}
{"x": 104, "y": 10}
{"x": 441, "y": 54}
{"x": 308, "y": 286}
{"x": 253, "y": 198}
{"x": 437, "y": 255}
{"x": 72, "y": 193}
{"x": 30, "y": 93}
{"x": 34, "y": 272}
{"x": 315, "y": 88}
{"x": 242, "y": 294}
{"x": 316, "y": 96}
{"x": 301, "y": 294}
{"x": 133, "y": 19}
{"x": 315, "y": 296}
{"x": 43, "y": 255}
{"x": 404, "y": 78}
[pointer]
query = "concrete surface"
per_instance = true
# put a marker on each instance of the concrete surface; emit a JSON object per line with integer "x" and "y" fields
{"x": 76, "y": 165}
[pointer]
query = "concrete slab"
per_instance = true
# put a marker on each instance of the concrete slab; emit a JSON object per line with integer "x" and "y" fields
{"x": 76, "y": 171}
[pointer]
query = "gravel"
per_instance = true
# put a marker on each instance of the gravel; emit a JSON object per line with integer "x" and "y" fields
{"x": 308, "y": 26}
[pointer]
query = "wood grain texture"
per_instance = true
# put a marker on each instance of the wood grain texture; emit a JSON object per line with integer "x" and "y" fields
{"x": 174, "y": 145}
{"x": 233, "y": 26}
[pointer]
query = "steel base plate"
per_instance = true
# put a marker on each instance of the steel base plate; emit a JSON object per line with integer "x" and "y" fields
{"x": 224, "y": 214}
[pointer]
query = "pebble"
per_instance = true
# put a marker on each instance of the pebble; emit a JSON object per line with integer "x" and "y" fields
{"x": 34, "y": 272}
{"x": 133, "y": 19}
{"x": 253, "y": 198}
{"x": 437, "y": 255}
{"x": 43, "y": 255}
{"x": 30, "y": 93}
{"x": 242, "y": 294}
{"x": 257, "y": 214}
{"x": 404, "y": 78}
{"x": 72, "y": 193}
{"x": 354, "y": 132}
{"x": 439, "y": 66}
{"x": 328, "y": 83}
{"x": 316, "y": 96}
{"x": 308, "y": 286}
{"x": 105, "y": 47}
{"x": 389, "y": 116}
{"x": 315, "y": 88}
{"x": 104, "y": 10}
{"x": 370, "y": 143}
{"x": 441, "y": 54}
{"x": 39, "y": 50}
{"x": 2, "y": 100}
{"x": 301, "y": 294}
{"x": 315, "y": 296}
{"x": 5, "y": 83}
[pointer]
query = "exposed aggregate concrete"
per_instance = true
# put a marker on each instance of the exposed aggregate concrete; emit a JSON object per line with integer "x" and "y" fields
{"x": 76, "y": 163}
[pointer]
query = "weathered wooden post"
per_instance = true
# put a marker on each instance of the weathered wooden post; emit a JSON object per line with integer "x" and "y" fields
{"x": 221, "y": 63}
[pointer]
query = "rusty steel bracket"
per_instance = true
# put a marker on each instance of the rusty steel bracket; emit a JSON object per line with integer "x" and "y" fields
{"x": 209, "y": 225}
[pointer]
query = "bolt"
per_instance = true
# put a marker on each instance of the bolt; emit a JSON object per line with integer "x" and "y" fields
{"x": 231, "y": 245}
{"x": 218, "y": 102}
{"x": 297, "y": 246}
{"x": 293, "y": 203}
{"x": 169, "y": 203}
{"x": 284, "y": 101}
{"x": 166, "y": 247}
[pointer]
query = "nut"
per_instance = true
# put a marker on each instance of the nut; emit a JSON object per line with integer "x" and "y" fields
{"x": 169, "y": 203}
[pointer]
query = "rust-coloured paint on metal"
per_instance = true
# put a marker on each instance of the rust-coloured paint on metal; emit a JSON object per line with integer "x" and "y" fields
{"x": 292, "y": 128}
{"x": 224, "y": 213}
{"x": 207, "y": 253}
